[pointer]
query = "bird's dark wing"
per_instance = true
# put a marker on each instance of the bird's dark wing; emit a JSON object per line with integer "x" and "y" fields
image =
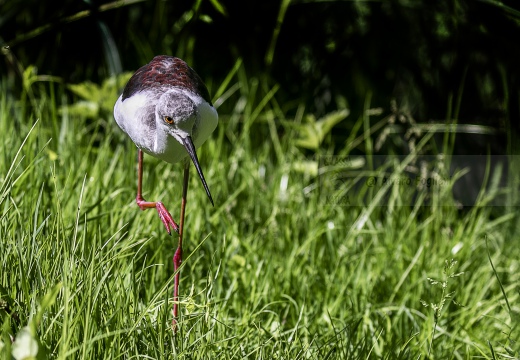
{"x": 166, "y": 71}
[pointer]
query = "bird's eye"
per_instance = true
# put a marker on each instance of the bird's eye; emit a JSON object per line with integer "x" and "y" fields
{"x": 168, "y": 119}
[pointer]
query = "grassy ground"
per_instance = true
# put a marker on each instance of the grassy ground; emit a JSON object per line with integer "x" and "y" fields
{"x": 277, "y": 269}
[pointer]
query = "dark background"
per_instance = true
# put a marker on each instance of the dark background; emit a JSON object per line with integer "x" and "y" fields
{"x": 423, "y": 54}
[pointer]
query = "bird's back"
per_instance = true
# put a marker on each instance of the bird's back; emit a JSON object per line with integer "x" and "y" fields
{"x": 163, "y": 71}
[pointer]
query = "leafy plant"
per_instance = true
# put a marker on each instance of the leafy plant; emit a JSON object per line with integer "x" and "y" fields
{"x": 313, "y": 132}
{"x": 97, "y": 101}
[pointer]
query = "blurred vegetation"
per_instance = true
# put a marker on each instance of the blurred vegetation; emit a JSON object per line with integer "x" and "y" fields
{"x": 326, "y": 55}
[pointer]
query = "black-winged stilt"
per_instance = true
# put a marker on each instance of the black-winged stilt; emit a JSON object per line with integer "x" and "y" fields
{"x": 166, "y": 110}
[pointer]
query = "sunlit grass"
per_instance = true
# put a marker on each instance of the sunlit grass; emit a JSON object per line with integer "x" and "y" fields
{"x": 272, "y": 271}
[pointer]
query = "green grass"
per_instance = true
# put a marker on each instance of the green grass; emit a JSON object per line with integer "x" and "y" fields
{"x": 272, "y": 271}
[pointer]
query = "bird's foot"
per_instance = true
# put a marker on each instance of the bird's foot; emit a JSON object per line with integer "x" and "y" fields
{"x": 166, "y": 218}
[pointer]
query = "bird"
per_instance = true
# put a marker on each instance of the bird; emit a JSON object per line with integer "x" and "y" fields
{"x": 166, "y": 110}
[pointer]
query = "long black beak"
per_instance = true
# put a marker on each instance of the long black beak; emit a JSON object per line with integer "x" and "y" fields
{"x": 190, "y": 148}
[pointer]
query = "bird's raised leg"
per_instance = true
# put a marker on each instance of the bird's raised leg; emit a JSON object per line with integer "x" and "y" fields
{"x": 177, "y": 259}
{"x": 165, "y": 216}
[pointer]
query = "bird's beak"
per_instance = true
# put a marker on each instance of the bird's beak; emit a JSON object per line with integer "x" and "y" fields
{"x": 190, "y": 148}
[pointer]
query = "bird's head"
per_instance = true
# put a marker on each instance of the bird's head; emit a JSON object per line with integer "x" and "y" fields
{"x": 175, "y": 116}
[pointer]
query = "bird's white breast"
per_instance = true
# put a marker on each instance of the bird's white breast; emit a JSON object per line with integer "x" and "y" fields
{"x": 207, "y": 120}
{"x": 129, "y": 115}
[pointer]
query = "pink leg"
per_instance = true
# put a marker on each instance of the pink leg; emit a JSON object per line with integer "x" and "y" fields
{"x": 177, "y": 259}
{"x": 165, "y": 216}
